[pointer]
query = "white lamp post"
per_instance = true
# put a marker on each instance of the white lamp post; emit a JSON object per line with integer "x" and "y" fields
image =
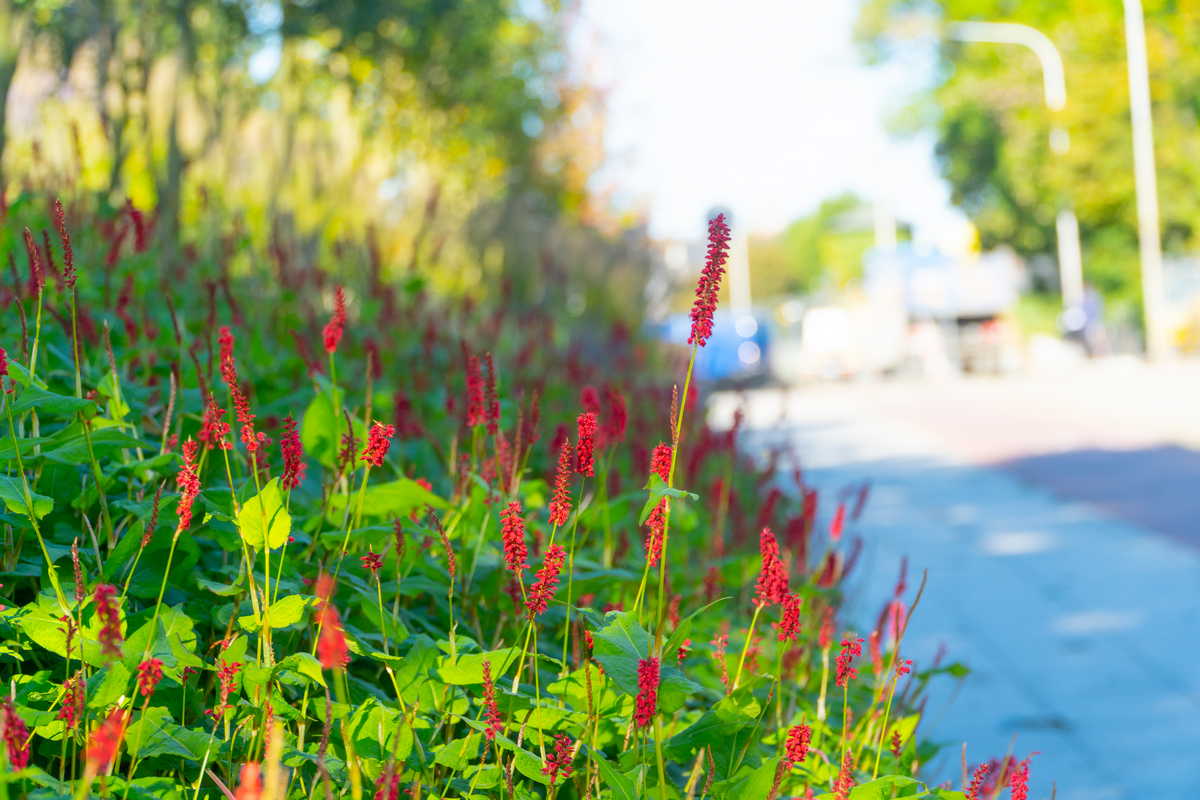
{"x": 1070, "y": 254}
{"x": 1145, "y": 182}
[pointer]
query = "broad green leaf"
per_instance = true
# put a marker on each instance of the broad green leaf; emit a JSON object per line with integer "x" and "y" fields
{"x": 392, "y": 499}
{"x": 264, "y": 519}
{"x": 685, "y": 626}
{"x": 12, "y": 491}
{"x": 305, "y": 665}
{"x": 159, "y": 735}
{"x": 621, "y": 644}
{"x": 623, "y": 786}
{"x": 458, "y": 753}
{"x": 69, "y": 446}
{"x": 728, "y": 728}
{"x": 468, "y": 669}
{"x": 48, "y": 404}
{"x": 174, "y": 642}
{"x": 284, "y": 612}
{"x": 108, "y": 685}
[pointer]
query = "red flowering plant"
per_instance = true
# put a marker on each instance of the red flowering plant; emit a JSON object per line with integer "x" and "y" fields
{"x": 487, "y": 549}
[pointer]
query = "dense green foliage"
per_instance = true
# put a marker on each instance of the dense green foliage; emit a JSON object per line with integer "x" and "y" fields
{"x": 91, "y": 483}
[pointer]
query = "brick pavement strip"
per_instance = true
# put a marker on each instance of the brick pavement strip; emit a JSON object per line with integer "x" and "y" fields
{"x": 1078, "y": 628}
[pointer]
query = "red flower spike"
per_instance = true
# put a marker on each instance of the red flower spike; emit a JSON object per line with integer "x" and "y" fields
{"x": 845, "y": 779}
{"x": 684, "y": 648}
{"x": 491, "y": 399}
{"x": 36, "y": 278}
{"x": 558, "y": 762}
{"x": 656, "y": 526}
{"x": 585, "y": 459}
{"x": 228, "y": 368}
{"x": 293, "y": 455}
{"x": 149, "y": 673}
{"x": 491, "y": 712}
{"x": 379, "y": 439}
{"x": 772, "y": 586}
{"x": 796, "y": 747}
{"x": 102, "y": 747}
{"x": 213, "y": 429}
{"x": 977, "y": 779}
{"x": 60, "y": 224}
{"x": 226, "y": 675}
{"x": 16, "y": 735}
{"x": 851, "y": 649}
{"x": 1018, "y": 780}
{"x": 72, "y": 703}
{"x": 512, "y": 524}
{"x": 188, "y": 482}
{"x": 476, "y": 406}
{"x": 647, "y": 697}
{"x": 110, "y": 620}
{"x": 372, "y": 562}
{"x": 708, "y": 287}
{"x": 839, "y": 521}
{"x": 903, "y": 667}
{"x": 897, "y": 747}
{"x": 616, "y": 416}
{"x": 332, "y": 333}
{"x": 542, "y": 591}
{"x": 789, "y": 623}
{"x": 560, "y": 504}
{"x": 250, "y": 786}
{"x": 331, "y": 645}
{"x": 660, "y": 461}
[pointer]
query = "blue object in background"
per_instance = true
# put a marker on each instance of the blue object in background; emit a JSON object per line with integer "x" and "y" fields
{"x": 737, "y": 350}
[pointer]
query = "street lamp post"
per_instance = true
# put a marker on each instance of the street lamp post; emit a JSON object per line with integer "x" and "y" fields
{"x": 1145, "y": 182}
{"x": 1070, "y": 253}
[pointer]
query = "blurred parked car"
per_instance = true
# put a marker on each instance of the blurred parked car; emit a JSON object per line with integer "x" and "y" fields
{"x": 737, "y": 353}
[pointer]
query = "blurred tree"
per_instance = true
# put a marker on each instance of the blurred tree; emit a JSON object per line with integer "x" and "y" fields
{"x": 822, "y": 250}
{"x": 987, "y": 109}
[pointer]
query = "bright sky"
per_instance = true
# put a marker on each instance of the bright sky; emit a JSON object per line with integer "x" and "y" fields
{"x": 763, "y": 106}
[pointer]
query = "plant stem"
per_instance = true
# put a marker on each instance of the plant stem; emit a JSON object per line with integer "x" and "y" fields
{"x": 746, "y": 647}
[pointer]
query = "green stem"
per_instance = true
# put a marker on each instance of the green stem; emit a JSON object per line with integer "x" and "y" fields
{"x": 32, "y": 512}
{"x": 746, "y": 647}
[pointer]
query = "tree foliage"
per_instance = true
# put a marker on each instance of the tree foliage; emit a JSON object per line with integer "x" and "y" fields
{"x": 987, "y": 109}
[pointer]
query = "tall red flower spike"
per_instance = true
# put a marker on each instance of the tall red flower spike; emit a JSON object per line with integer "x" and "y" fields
{"x": 110, "y": 620}
{"x": 379, "y": 439}
{"x": 188, "y": 482}
{"x": 560, "y": 503}
{"x": 789, "y": 623}
{"x": 796, "y": 747}
{"x": 16, "y": 735}
{"x": 512, "y": 526}
{"x": 543, "y": 589}
{"x": 102, "y": 747}
{"x": 772, "y": 586}
{"x": 491, "y": 712}
{"x": 293, "y": 455}
{"x": 585, "y": 459}
{"x": 647, "y": 697}
{"x": 332, "y": 334}
{"x": 708, "y": 287}
{"x": 558, "y": 762}
{"x": 851, "y": 649}
{"x": 149, "y": 673}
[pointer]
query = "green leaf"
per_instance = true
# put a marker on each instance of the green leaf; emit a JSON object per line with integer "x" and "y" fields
{"x": 621, "y": 644}
{"x": 161, "y": 736}
{"x": 467, "y": 670}
{"x": 284, "y": 612}
{"x": 392, "y": 499}
{"x": 108, "y": 685}
{"x": 174, "y": 642}
{"x": 264, "y": 519}
{"x": 685, "y": 627}
{"x": 623, "y": 786}
{"x": 12, "y": 491}
{"x": 305, "y": 665}
{"x": 47, "y": 403}
{"x": 71, "y": 444}
{"x": 729, "y": 728}
{"x": 657, "y": 490}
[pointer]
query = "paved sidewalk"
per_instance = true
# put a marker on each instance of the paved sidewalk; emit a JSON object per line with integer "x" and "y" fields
{"x": 1079, "y": 628}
